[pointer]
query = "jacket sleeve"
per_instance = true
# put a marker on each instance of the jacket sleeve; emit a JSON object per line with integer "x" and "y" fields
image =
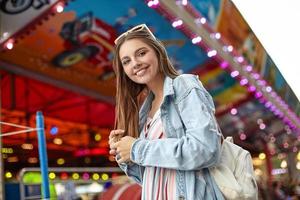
{"x": 198, "y": 148}
{"x": 133, "y": 171}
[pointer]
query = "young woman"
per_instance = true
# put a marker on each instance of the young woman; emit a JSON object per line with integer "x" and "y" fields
{"x": 167, "y": 143}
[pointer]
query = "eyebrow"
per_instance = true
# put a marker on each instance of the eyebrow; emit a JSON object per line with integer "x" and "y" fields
{"x": 134, "y": 52}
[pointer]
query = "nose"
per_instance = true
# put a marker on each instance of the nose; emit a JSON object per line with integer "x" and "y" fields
{"x": 136, "y": 64}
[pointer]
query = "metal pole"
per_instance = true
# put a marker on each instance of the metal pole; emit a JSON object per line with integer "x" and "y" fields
{"x": 43, "y": 155}
{"x": 2, "y": 191}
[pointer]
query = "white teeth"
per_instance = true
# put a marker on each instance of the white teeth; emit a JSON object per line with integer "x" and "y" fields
{"x": 141, "y": 72}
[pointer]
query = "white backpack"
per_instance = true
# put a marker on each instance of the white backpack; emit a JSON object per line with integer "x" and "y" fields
{"x": 234, "y": 173}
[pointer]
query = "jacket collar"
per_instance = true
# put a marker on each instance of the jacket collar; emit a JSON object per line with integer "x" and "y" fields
{"x": 168, "y": 87}
{"x": 168, "y": 91}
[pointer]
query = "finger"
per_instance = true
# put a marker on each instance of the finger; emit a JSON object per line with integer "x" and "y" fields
{"x": 111, "y": 141}
{"x": 116, "y": 132}
{"x": 113, "y": 152}
{"x": 114, "y": 145}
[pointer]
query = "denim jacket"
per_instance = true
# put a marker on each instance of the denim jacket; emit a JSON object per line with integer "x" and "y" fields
{"x": 192, "y": 144}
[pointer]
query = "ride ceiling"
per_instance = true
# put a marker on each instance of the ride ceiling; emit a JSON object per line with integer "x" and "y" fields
{"x": 61, "y": 63}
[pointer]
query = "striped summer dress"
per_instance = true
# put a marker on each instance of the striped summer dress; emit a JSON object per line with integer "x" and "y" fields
{"x": 158, "y": 183}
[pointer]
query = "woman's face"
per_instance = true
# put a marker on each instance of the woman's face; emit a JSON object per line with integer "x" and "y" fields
{"x": 139, "y": 61}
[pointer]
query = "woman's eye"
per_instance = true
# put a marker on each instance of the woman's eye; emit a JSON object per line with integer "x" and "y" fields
{"x": 125, "y": 62}
{"x": 142, "y": 53}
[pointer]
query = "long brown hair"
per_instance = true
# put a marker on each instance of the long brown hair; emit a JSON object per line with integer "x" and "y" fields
{"x": 128, "y": 92}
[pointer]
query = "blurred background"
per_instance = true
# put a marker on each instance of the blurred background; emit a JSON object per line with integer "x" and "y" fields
{"x": 56, "y": 57}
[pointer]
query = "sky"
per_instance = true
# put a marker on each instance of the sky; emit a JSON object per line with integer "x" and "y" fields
{"x": 276, "y": 24}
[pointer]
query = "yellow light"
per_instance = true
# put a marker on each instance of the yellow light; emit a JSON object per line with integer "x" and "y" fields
{"x": 13, "y": 159}
{"x": 258, "y": 172}
{"x": 32, "y": 160}
{"x": 52, "y": 175}
{"x": 257, "y": 162}
{"x": 298, "y": 165}
{"x": 57, "y": 141}
{"x": 7, "y": 150}
{"x": 8, "y": 175}
{"x": 104, "y": 176}
{"x": 298, "y": 156}
{"x": 75, "y": 176}
{"x": 96, "y": 176}
{"x": 60, "y": 161}
{"x": 98, "y": 137}
{"x": 283, "y": 164}
{"x": 27, "y": 146}
{"x": 262, "y": 156}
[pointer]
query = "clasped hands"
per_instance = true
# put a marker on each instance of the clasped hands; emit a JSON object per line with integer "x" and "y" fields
{"x": 120, "y": 146}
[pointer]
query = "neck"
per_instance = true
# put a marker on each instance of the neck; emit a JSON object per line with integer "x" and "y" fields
{"x": 157, "y": 86}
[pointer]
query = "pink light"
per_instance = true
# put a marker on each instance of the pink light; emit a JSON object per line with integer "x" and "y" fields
{"x": 152, "y": 3}
{"x": 280, "y": 114}
{"x": 273, "y": 108}
{"x": 244, "y": 81}
{"x": 251, "y": 88}
{"x": 9, "y": 44}
{"x": 184, "y": 2}
{"x": 196, "y": 40}
{"x": 249, "y": 68}
{"x": 177, "y": 23}
{"x": 268, "y": 89}
{"x": 262, "y": 126}
{"x": 233, "y": 111}
{"x": 295, "y": 149}
{"x": 203, "y": 20}
{"x": 230, "y": 48}
{"x": 211, "y": 53}
{"x": 258, "y": 95}
{"x": 217, "y": 36}
{"x": 85, "y": 176}
{"x": 224, "y": 65}
{"x": 261, "y": 82}
{"x": 276, "y": 112}
{"x": 268, "y": 104}
{"x": 243, "y": 136}
{"x": 239, "y": 59}
{"x": 286, "y": 145}
{"x": 59, "y": 7}
{"x": 234, "y": 74}
{"x": 255, "y": 75}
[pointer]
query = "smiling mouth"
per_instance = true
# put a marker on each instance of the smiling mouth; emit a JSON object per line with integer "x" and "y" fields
{"x": 140, "y": 71}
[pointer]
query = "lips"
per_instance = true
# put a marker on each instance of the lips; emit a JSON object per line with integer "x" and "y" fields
{"x": 141, "y": 71}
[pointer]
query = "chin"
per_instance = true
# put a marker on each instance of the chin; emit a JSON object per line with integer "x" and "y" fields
{"x": 141, "y": 80}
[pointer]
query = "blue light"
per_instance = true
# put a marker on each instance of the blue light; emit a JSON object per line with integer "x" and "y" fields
{"x": 53, "y": 130}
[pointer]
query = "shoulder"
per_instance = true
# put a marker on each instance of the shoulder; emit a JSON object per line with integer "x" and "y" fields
{"x": 185, "y": 83}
